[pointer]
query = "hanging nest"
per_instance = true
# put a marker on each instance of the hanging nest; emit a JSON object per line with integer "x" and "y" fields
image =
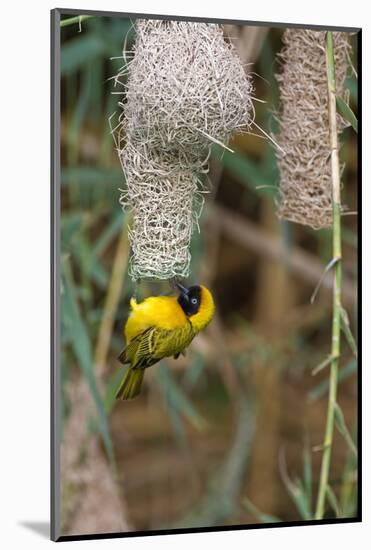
{"x": 166, "y": 208}
{"x": 305, "y": 164}
{"x": 186, "y": 90}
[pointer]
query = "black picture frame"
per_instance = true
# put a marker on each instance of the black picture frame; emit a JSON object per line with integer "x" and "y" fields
{"x": 55, "y": 277}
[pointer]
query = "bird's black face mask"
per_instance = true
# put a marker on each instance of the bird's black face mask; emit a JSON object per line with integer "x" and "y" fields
{"x": 189, "y": 299}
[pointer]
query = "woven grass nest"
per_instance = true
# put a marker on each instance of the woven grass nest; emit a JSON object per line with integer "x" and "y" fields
{"x": 186, "y": 89}
{"x": 304, "y": 158}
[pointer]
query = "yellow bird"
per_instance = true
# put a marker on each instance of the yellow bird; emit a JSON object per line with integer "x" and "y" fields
{"x": 161, "y": 326}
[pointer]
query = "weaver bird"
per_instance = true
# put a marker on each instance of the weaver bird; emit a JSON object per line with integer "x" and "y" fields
{"x": 161, "y": 326}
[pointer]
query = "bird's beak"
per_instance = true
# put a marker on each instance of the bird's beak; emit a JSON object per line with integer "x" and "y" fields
{"x": 182, "y": 289}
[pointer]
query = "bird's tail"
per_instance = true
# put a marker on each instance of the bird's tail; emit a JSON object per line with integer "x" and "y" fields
{"x": 131, "y": 384}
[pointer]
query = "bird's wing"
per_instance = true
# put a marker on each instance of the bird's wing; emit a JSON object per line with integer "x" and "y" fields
{"x": 141, "y": 350}
{"x": 128, "y": 353}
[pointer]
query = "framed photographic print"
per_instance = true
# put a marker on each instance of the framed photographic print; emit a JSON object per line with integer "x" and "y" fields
{"x": 205, "y": 191}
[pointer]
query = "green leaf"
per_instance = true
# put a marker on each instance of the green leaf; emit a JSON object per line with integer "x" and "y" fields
{"x": 325, "y": 363}
{"x": 348, "y": 489}
{"x": 178, "y": 425}
{"x": 109, "y": 233}
{"x": 175, "y": 395}
{"x": 91, "y": 267}
{"x": 350, "y": 237}
{"x": 331, "y": 497}
{"x": 247, "y": 171}
{"x": 79, "y": 114}
{"x": 322, "y": 388}
{"x": 297, "y": 491}
{"x": 99, "y": 273}
{"x": 307, "y": 475}
{"x": 351, "y": 84}
{"x": 111, "y": 389}
{"x": 109, "y": 398}
{"x": 347, "y": 113}
{"x": 80, "y": 342}
{"x": 71, "y": 225}
{"x": 90, "y": 176}
{"x": 267, "y": 68}
{"x": 263, "y": 518}
{"x": 117, "y": 34}
{"x": 301, "y": 500}
{"x": 345, "y": 325}
{"x": 76, "y": 53}
{"x": 194, "y": 371}
{"x": 341, "y": 426}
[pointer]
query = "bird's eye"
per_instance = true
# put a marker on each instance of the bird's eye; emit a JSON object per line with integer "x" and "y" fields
{"x": 194, "y": 301}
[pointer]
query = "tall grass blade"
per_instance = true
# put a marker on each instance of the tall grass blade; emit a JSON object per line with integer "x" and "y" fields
{"x": 331, "y": 497}
{"x": 345, "y": 325}
{"x": 108, "y": 234}
{"x": 321, "y": 389}
{"x": 341, "y": 426}
{"x": 307, "y": 475}
{"x": 80, "y": 343}
{"x": 247, "y": 171}
{"x": 76, "y": 53}
{"x": 346, "y": 112}
{"x": 263, "y": 518}
{"x": 172, "y": 391}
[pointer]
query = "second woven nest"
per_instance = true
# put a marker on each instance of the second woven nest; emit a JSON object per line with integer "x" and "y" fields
{"x": 305, "y": 164}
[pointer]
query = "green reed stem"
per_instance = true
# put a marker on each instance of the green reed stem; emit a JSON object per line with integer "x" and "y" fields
{"x": 336, "y": 243}
{"x": 73, "y": 20}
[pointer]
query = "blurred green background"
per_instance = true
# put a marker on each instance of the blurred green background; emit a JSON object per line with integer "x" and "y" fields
{"x": 228, "y": 434}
